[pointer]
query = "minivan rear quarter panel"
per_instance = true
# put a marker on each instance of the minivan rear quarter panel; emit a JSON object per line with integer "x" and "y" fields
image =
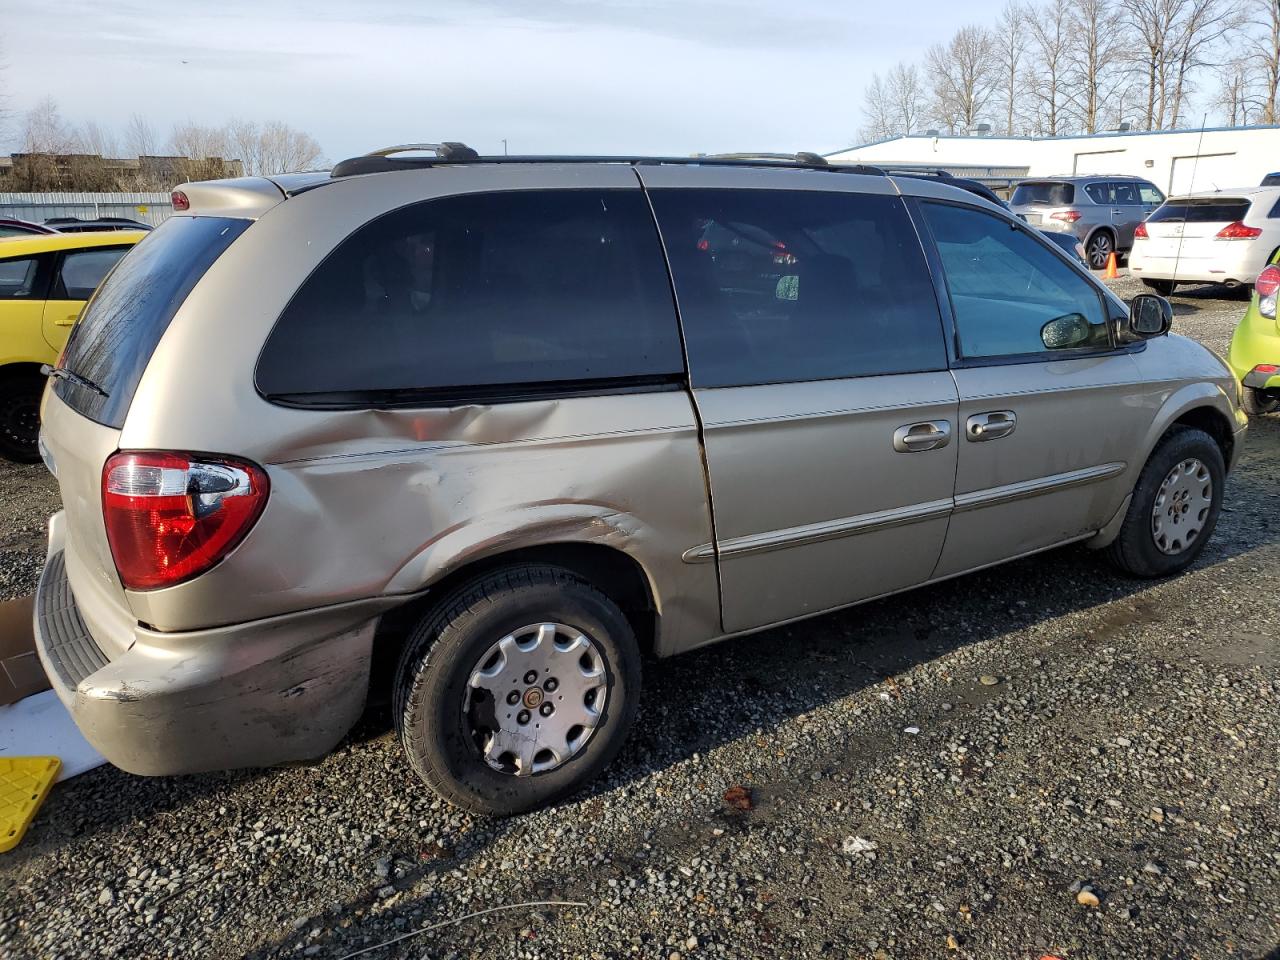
{"x": 384, "y": 501}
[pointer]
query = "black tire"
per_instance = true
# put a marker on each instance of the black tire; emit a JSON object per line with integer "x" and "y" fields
{"x": 1100, "y": 246}
{"x": 20, "y": 417}
{"x": 1163, "y": 287}
{"x": 1135, "y": 551}
{"x": 1257, "y": 402}
{"x": 431, "y": 685}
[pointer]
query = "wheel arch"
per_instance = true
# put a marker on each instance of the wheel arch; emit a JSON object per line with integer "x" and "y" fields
{"x": 19, "y": 370}
{"x": 616, "y": 573}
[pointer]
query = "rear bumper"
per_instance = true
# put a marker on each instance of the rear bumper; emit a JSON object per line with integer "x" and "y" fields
{"x": 1242, "y": 266}
{"x": 249, "y": 695}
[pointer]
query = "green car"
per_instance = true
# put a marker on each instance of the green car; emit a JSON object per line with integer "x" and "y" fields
{"x": 1255, "y": 347}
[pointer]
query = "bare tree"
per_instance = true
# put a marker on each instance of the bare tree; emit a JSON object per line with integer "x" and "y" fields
{"x": 907, "y": 97}
{"x": 1050, "y": 29}
{"x": 139, "y": 137}
{"x": 1197, "y": 33}
{"x": 1149, "y": 24}
{"x": 1238, "y": 84}
{"x": 1098, "y": 42}
{"x": 877, "y": 112}
{"x": 92, "y": 138}
{"x": 963, "y": 75}
{"x": 1266, "y": 49}
{"x": 45, "y": 131}
{"x": 1011, "y": 37}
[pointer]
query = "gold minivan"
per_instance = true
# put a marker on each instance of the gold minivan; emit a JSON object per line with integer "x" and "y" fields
{"x": 510, "y": 424}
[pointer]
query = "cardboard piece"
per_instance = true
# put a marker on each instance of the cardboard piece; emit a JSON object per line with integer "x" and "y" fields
{"x": 21, "y": 674}
{"x": 41, "y": 725}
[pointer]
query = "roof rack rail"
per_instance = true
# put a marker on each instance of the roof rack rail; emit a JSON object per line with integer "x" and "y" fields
{"x": 453, "y": 154}
{"x": 803, "y": 156}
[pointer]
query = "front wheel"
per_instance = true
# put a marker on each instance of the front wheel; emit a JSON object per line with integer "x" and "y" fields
{"x": 1163, "y": 287}
{"x": 1257, "y": 402}
{"x": 20, "y": 418}
{"x": 518, "y": 690}
{"x": 1174, "y": 506}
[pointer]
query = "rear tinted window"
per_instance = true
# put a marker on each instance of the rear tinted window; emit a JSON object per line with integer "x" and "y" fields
{"x": 18, "y": 278}
{"x": 780, "y": 286}
{"x": 1201, "y": 211}
{"x": 121, "y": 325}
{"x": 83, "y": 270}
{"x": 481, "y": 293}
{"x": 1054, "y": 194}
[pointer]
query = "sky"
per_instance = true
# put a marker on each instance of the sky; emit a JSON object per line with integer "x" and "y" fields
{"x": 549, "y": 76}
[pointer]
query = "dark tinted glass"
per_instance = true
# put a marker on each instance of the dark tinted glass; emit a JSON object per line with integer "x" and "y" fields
{"x": 1201, "y": 211}
{"x": 1006, "y": 288}
{"x": 778, "y": 286}
{"x": 482, "y": 291}
{"x": 121, "y": 325}
{"x": 1053, "y": 194}
{"x": 1100, "y": 193}
{"x": 17, "y": 278}
{"x": 83, "y": 270}
{"x": 1125, "y": 193}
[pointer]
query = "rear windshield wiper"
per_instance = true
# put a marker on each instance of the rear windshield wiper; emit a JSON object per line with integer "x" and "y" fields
{"x": 62, "y": 373}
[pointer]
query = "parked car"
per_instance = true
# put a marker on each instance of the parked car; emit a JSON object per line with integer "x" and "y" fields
{"x": 1064, "y": 241}
{"x": 1224, "y": 236}
{"x": 44, "y": 282}
{"x": 1101, "y": 212}
{"x": 22, "y": 228}
{"x": 1255, "y": 345}
{"x": 444, "y": 413}
{"x": 76, "y": 225}
{"x": 1271, "y": 180}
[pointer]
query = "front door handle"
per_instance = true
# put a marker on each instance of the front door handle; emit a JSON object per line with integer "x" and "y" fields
{"x": 991, "y": 425}
{"x": 918, "y": 437}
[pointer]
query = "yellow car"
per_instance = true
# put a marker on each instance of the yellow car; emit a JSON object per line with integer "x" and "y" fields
{"x": 44, "y": 282}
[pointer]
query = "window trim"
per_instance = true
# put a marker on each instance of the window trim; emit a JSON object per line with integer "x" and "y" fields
{"x": 422, "y": 398}
{"x": 956, "y": 358}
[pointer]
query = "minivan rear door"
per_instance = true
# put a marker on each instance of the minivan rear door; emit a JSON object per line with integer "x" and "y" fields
{"x": 818, "y": 369}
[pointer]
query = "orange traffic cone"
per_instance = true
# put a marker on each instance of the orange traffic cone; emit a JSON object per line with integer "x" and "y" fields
{"x": 1111, "y": 273}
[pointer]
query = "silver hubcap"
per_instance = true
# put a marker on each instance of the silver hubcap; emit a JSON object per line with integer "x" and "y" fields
{"x": 535, "y": 698}
{"x": 1182, "y": 506}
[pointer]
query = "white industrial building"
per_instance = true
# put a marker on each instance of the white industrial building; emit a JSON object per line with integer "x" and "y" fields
{"x": 1176, "y": 161}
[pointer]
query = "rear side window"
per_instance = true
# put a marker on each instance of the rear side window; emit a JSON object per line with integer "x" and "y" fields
{"x": 1202, "y": 211}
{"x": 1100, "y": 193}
{"x": 121, "y": 325}
{"x": 781, "y": 286}
{"x": 1149, "y": 194}
{"x": 83, "y": 270}
{"x": 18, "y": 278}
{"x": 1124, "y": 193}
{"x": 503, "y": 294}
{"x": 1053, "y": 194}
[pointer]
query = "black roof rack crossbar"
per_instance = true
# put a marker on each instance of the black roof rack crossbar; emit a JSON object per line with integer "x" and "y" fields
{"x": 457, "y": 154}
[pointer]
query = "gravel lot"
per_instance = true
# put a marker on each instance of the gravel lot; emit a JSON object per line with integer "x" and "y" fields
{"x": 938, "y": 775}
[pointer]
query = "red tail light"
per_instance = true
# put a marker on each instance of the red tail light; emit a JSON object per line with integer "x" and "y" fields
{"x": 1066, "y": 216}
{"x": 1140, "y": 232}
{"x": 180, "y": 201}
{"x": 1268, "y": 282}
{"x": 170, "y": 517}
{"x": 1238, "y": 231}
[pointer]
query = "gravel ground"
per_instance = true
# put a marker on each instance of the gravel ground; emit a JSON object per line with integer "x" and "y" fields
{"x": 949, "y": 774}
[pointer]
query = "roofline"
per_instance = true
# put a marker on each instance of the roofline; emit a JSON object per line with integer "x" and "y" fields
{"x": 53, "y": 242}
{"x": 1066, "y": 136}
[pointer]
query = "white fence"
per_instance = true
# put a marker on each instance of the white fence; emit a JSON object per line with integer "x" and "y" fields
{"x": 152, "y": 208}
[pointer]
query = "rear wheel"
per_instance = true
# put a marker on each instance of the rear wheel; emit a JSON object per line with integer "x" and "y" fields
{"x": 1174, "y": 507}
{"x": 1099, "y": 249}
{"x": 1163, "y": 287}
{"x": 1257, "y": 402}
{"x": 518, "y": 690}
{"x": 20, "y": 417}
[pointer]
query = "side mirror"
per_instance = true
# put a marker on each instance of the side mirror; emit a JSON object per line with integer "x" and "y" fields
{"x": 1065, "y": 332}
{"x": 1149, "y": 316}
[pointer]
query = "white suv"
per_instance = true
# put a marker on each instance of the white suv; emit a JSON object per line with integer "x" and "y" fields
{"x": 1226, "y": 236}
